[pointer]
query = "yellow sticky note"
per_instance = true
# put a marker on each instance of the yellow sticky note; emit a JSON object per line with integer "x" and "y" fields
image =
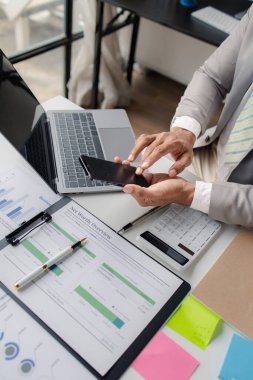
{"x": 195, "y": 322}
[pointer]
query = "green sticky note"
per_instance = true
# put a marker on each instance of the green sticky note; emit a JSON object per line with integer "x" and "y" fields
{"x": 195, "y": 322}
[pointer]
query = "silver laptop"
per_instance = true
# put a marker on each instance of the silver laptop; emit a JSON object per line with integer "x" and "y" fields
{"x": 53, "y": 142}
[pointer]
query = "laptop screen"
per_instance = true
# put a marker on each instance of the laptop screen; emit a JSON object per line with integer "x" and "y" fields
{"x": 19, "y": 109}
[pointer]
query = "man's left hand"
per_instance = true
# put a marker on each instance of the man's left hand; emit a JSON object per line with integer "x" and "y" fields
{"x": 162, "y": 190}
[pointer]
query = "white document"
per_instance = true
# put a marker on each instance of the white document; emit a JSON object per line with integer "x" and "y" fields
{"x": 23, "y": 194}
{"x": 101, "y": 297}
{"x": 29, "y": 351}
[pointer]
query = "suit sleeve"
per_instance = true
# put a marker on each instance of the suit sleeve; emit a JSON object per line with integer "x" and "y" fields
{"x": 232, "y": 203}
{"x": 212, "y": 81}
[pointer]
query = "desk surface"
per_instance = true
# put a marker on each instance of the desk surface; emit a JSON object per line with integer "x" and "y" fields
{"x": 171, "y": 14}
{"x": 116, "y": 209}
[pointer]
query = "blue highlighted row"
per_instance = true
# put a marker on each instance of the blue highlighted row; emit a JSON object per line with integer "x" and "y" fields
{"x": 4, "y": 203}
{"x": 13, "y": 213}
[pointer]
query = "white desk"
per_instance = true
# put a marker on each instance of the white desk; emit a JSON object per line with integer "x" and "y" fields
{"x": 117, "y": 209}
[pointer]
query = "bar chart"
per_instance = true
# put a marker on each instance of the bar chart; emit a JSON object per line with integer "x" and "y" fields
{"x": 22, "y": 195}
{"x": 104, "y": 293}
{"x": 15, "y": 209}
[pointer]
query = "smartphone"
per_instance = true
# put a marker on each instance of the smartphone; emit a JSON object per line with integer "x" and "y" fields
{"x": 112, "y": 172}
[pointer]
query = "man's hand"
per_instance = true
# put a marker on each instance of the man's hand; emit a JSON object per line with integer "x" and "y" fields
{"x": 178, "y": 143}
{"x": 162, "y": 190}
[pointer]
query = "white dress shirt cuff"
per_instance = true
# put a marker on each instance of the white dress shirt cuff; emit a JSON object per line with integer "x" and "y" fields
{"x": 202, "y": 196}
{"x": 187, "y": 122}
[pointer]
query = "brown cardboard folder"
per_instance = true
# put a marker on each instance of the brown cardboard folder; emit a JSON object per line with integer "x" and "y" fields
{"x": 227, "y": 288}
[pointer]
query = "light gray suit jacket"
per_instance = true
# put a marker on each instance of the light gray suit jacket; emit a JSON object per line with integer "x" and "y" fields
{"x": 227, "y": 72}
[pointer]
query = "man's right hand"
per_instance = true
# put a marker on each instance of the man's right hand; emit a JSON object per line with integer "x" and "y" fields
{"x": 178, "y": 143}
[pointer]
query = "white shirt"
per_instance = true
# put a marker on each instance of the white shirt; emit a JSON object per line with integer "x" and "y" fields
{"x": 202, "y": 195}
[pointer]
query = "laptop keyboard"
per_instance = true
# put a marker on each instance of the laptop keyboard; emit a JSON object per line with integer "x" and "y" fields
{"x": 77, "y": 134}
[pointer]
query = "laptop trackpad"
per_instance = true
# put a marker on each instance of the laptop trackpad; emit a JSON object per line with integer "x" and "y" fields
{"x": 116, "y": 142}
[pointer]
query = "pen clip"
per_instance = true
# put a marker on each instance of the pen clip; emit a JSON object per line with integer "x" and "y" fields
{"x": 26, "y": 228}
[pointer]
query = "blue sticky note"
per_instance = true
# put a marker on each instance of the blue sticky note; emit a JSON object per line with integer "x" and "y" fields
{"x": 238, "y": 363}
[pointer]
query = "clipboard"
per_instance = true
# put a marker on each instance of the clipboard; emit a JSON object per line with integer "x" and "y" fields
{"x": 28, "y": 227}
{"x": 147, "y": 326}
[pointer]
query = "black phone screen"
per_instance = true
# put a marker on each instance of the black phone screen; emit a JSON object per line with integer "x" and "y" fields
{"x": 117, "y": 174}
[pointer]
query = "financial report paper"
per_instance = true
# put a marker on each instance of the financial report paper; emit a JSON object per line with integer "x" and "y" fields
{"x": 22, "y": 195}
{"x": 29, "y": 351}
{"x": 101, "y": 297}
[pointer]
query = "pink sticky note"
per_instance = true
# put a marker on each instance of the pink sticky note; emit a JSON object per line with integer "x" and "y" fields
{"x": 163, "y": 359}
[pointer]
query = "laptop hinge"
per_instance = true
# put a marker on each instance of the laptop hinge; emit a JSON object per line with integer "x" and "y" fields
{"x": 51, "y": 164}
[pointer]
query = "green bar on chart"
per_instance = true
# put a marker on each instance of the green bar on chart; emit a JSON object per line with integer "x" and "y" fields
{"x": 71, "y": 238}
{"x": 40, "y": 256}
{"x": 102, "y": 309}
{"x": 128, "y": 283}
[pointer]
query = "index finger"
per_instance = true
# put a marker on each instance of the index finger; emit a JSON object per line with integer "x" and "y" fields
{"x": 142, "y": 142}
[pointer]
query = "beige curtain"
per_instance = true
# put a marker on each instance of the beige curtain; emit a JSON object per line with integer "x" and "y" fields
{"x": 113, "y": 86}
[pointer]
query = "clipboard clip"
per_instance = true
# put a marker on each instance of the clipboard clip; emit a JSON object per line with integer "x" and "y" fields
{"x": 15, "y": 237}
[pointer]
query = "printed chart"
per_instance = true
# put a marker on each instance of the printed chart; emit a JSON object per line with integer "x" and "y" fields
{"x": 104, "y": 294}
{"x": 22, "y": 195}
{"x": 28, "y": 351}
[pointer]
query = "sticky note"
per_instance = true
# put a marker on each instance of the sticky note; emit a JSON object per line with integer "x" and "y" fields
{"x": 195, "y": 322}
{"x": 238, "y": 363}
{"x": 163, "y": 359}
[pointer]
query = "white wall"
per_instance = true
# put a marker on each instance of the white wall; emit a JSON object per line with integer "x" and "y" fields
{"x": 169, "y": 52}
